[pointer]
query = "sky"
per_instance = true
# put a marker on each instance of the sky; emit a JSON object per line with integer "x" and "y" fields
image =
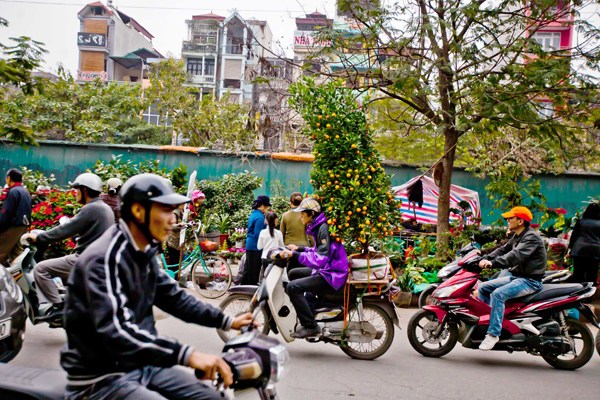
{"x": 55, "y": 22}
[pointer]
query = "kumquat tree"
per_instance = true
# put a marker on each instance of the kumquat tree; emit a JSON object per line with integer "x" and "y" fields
{"x": 350, "y": 182}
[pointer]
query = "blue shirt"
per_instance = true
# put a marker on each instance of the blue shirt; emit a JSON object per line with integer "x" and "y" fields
{"x": 256, "y": 223}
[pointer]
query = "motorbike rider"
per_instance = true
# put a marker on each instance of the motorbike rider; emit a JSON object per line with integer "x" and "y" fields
{"x": 524, "y": 255}
{"x": 94, "y": 218}
{"x": 325, "y": 266}
{"x": 113, "y": 350}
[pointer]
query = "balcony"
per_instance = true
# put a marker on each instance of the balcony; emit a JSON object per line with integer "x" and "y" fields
{"x": 234, "y": 49}
{"x": 193, "y": 47}
{"x": 200, "y": 79}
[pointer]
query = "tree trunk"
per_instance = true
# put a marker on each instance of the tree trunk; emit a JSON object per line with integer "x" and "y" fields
{"x": 443, "y": 224}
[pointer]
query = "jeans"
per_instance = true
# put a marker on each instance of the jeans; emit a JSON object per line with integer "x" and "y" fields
{"x": 302, "y": 281}
{"x": 151, "y": 383}
{"x": 497, "y": 291}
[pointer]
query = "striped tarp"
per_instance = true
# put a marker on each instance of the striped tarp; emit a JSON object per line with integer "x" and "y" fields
{"x": 427, "y": 214}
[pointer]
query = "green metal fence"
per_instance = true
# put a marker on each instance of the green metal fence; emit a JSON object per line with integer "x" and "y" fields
{"x": 67, "y": 160}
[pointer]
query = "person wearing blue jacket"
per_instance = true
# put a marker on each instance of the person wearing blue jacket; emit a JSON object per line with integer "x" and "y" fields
{"x": 15, "y": 216}
{"x": 256, "y": 223}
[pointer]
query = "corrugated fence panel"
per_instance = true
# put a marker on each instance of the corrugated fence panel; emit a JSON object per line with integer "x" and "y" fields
{"x": 67, "y": 160}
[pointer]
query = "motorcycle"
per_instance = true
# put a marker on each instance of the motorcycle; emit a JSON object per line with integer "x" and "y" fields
{"x": 21, "y": 270}
{"x": 12, "y": 317}
{"x": 366, "y": 334}
{"x": 256, "y": 361}
{"x": 453, "y": 267}
{"x": 537, "y": 323}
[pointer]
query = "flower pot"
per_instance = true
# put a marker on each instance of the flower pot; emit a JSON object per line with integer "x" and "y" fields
{"x": 403, "y": 299}
{"x": 239, "y": 244}
{"x": 223, "y": 237}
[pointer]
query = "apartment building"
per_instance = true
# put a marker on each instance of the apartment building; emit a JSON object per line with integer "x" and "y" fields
{"x": 112, "y": 45}
{"x": 220, "y": 54}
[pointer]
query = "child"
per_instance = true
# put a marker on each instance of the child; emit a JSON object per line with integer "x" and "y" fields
{"x": 269, "y": 238}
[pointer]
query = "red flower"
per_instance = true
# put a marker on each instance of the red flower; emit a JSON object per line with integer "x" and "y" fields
{"x": 560, "y": 211}
{"x": 58, "y": 209}
{"x": 48, "y": 210}
{"x": 535, "y": 226}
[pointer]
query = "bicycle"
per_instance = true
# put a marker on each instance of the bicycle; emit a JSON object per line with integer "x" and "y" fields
{"x": 210, "y": 274}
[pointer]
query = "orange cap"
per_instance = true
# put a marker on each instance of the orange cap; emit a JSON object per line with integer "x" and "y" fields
{"x": 519, "y": 212}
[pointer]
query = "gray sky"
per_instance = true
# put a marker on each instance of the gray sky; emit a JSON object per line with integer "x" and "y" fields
{"x": 55, "y": 23}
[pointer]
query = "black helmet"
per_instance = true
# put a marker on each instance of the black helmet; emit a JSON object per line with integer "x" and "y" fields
{"x": 149, "y": 188}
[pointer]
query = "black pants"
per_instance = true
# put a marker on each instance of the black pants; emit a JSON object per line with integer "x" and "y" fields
{"x": 253, "y": 264}
{"x": 585, "y": 270}
{"x": 302, "y": 281}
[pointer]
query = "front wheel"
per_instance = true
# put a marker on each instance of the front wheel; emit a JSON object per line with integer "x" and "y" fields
{"x": 383, "y": 324}
{"x": 598, "y": 342}
{"x": 582, "y": 347}
{"x": 237, "y": 304}
{"x": 425, "y": 296}
{"x": 211, "y": 278}
{"x": 422, "y": 336}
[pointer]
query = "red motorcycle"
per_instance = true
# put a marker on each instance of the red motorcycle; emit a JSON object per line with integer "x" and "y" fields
{"x": 537, "y": 323}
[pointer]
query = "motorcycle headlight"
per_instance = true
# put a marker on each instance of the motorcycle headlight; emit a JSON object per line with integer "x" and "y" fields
{"x": 11, "y": 286}
{"x": 446, "y": 291}
{"x": 279, "y": 360}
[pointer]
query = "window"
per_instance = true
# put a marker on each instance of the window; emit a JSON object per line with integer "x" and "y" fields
{"x": 97, "y": 11}
{"x": 209, "y": 66}
{"x": 549, "y": 41}
{"x": 194, "y": 66}
{"x": 151, "y": 115}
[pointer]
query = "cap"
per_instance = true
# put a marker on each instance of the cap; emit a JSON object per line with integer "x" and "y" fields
{"x": 197, "y": 194}
{"x": 519, "y": 212}
{"x": 264, "y": 200}
{"x": 114, "y": 183}
{"x": 309, "y": 204}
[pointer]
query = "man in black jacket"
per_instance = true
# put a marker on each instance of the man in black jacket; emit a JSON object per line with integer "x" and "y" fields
{"x": 113, "y": 349}
{"x": 15, "y": 216}
{"x": 525, "y": 258}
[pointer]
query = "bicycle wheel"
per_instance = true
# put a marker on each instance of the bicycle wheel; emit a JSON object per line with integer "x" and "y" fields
{"x": 211, "y": 279}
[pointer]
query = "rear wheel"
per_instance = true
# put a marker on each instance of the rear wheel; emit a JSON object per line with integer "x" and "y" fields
{"x": 211, "y": 279}
{"x": 382, "y": 322}
{"x": 237, "y": 304}
{"x": 421, "y": 334}
{"x": 582, "y": 347}
{"x": 598, "y": 342}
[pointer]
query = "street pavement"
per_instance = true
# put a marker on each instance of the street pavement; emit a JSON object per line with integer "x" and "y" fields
{"x": 322, "y": 372}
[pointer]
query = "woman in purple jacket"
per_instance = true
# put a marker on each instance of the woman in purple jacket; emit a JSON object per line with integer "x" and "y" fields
{"x": 320, "y": 268}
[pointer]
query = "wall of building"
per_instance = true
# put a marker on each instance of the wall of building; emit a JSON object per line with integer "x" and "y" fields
{"x": 67, "y": 160}
{"x": 126, "y": 39}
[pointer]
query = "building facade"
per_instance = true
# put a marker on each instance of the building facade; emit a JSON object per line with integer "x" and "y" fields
{"x": 112, "y": 45}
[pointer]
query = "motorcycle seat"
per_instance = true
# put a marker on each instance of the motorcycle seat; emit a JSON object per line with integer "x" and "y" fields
{"x": 32, "y": 383}
{"x": 550, "y": 291}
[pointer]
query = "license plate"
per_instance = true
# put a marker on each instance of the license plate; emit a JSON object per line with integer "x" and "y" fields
{"x": 4, "y": 328}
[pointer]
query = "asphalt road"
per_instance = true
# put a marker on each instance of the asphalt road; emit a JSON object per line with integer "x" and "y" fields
{"x": 323, "y": 372}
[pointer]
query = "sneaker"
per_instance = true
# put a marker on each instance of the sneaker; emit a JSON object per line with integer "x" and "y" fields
{"x": 306, "y": 332}
{"x": 489, "y": 342}
{"x": 54, "y": 312}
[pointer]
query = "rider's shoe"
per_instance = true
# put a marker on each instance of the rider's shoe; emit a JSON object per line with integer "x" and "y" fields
{"x": 53, "y": 312}
{"x": 489, "y": 342}
{"x": 304, "y": 332}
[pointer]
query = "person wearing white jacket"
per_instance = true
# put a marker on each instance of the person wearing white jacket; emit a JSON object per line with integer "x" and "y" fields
{"x": 269, "y": 238}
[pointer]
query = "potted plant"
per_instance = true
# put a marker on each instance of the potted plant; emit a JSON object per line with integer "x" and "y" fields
{"x": 238, "y": 237}
{"x": 207, "y": 228}
{"x": 406, "y": 285}
{"x": 224, "y": 225}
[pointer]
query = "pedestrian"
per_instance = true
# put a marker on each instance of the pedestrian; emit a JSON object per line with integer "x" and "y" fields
{"x": 111, "y": 197}
{"x": 113, "y": 349}
{"x": 173, "y": 239}
{"x": 256, "y": 223}
{"x": 292, "y": 228}
{"x": 584, "y": 245}
{"x": 269, "y": 238}
{"x": 15, "y": 216}
{"x": 92, "y": 220}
